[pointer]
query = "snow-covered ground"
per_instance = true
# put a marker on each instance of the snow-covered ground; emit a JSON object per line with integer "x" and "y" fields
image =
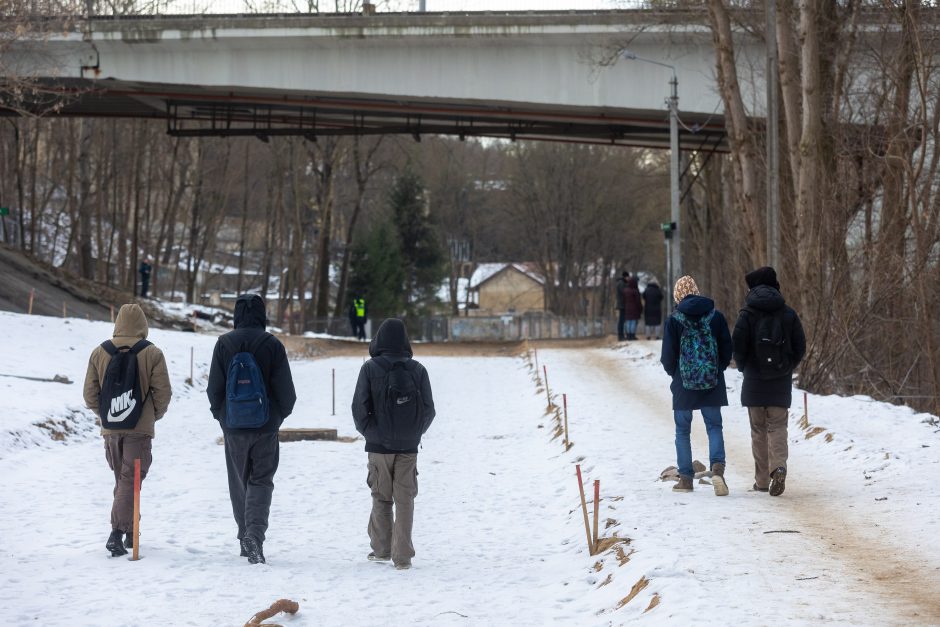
{"x": 499, "y": 532}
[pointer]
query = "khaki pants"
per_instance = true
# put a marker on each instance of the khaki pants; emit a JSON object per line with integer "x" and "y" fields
{"x": 121, "y": 451}
{"x": 393, "y": 479}
{"x": 768, "y": 441}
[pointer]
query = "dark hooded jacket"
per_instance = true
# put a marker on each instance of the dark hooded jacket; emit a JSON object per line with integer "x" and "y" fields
{"x": 652, "y": 305}
{"x": 618, "y": 289}
{"x": 632, "y": 305}
{"x": 250, "y": 321}
{"x": 695, "y": 307}
{"x": 391, "y": 343}
{"x": 756, "y": 392}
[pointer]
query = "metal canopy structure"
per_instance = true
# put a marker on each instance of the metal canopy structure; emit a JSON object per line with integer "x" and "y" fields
{"x": 230, "y": 112}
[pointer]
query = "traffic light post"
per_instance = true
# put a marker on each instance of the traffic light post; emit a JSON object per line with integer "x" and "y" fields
{"x": 668, "y": 229}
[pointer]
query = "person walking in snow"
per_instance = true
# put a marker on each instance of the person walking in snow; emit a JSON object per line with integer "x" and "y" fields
{"x": 128, "y": 385}
{"x": 392, "y": 408}
{"x": 632, "y": 307}
{"x": 145, "y": 268}
{"x": 653, "y": 309}
{"x": 251, "y": 392}
{"x": 619, "y": 288}
{"x": 696, "y": 351}
{"x": 769, "y": 344}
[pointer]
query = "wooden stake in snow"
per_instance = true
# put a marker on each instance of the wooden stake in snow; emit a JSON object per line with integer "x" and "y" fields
{"x": 334, "y": 391}
{"x": 587, "y": 525}
{"x": 564, "y": 398}
{"x": 136, "y": 510}
{"x": 32, "y": 295}
{"x": 547, "y": 395}
{"x": 65, "y": 310}
{"x": 191, "y": 359}
{"x": 805, "y": 406}
{"x": 597, "y": 500}
{"x": 112, "y": 314}
{"x": 536, "y": 351}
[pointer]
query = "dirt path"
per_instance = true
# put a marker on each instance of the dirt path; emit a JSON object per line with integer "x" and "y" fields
{"x": 869, "y": 550}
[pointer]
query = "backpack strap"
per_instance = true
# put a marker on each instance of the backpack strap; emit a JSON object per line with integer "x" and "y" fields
{"x": 109, "y": 347}
{"x": 255, "y": 344}
{"x": 139, "y": 346}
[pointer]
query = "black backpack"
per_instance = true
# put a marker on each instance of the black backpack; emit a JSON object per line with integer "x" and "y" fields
{"x": 120, "y": 402}
{"x": 771, "y": 344}
{"x": 401, "y": 417}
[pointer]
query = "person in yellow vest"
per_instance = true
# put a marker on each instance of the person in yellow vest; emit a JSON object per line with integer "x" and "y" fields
{"x": 357, "y": 316}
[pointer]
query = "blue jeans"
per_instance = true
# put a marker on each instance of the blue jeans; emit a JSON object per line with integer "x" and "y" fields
{"x": 716, "y": 440}
{"x": 631, "y": 327}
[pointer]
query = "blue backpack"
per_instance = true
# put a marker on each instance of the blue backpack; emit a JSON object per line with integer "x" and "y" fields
{"x": 246, "y": 400}
{"x": 698, "y": 352}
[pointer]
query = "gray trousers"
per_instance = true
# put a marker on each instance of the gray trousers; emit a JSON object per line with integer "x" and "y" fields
{"x": 768, "y": 441}
{"x": 251, "y": 459}
{"x": 121, "y": 450}
{"x": 393, "y": 479}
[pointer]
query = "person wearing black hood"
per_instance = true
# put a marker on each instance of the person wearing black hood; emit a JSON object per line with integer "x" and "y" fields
{"x": 769, "y": 343}
{"x": 392, "y": 408}
{"x": 653, "y": 310}
{"x": 251, "y": 453}
{"x": 696, "y": 351}
{"x": 619, "y": 288}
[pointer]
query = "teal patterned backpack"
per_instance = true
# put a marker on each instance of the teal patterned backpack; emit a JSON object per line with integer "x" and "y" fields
{"x": 698, "y": 352}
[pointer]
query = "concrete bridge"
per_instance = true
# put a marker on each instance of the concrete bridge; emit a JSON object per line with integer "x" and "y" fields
{"x": 525, "y": 75}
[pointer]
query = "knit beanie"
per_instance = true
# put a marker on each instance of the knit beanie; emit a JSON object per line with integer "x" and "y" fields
{"x": 684, "y": 286}
{"x": 762, "y": 276}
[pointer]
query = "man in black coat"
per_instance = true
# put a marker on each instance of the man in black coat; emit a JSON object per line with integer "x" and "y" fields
{"x": 252, "y": 455}
{"x": 392, "y": 441}
{"x": 653, "y": 310}
{"x": 769, "y": 344}
{"x": 619, "y": 288}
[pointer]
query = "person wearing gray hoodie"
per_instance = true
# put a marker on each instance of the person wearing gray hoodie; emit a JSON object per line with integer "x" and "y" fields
{"x": 392, "y": 408}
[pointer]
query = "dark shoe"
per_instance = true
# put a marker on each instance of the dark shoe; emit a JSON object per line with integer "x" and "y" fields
{"x": 253, "y": 550}
{"x": 718, "y": 479}
{"x": 372, "y": 557}
{"x": 129, "y": 541}
{"x": 778, "y": 480}
{"x": 683, "y": 485}
{"x": 402, "y": 565}
{"x": 757, "y": 488}
{"x": 243, "y": 552}
{"x": 115, "y": 543}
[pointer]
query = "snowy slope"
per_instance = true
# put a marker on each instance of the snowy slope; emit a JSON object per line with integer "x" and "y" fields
{"x": 499, "y": 531}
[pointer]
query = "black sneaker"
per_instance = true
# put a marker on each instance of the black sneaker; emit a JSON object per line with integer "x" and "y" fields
{"x": 253, "y": 550}
{"x": 778, "y": 480}
{"x": 115, "y": 543}
{"x": 243, "y": 553}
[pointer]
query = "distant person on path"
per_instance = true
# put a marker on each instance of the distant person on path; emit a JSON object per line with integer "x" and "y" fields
{"x": 769, "y": 344}
{"x": 357, "y": 316}
{"x": 251, "y": 392}
{"x": 392, "y": 408}
{"x": 619, "y": 288}
{"x": 145, "y": 269}
{"x": 653, "y": 310}
{"x": 127, "y": 384}
{"x": 632, "y": 307}
{"x": 696, "y": 351}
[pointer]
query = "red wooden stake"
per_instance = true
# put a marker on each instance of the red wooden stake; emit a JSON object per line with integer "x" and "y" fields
{"x": 547, "y": 395}
{"x": 587, "y": 525}
{"x": 597, "y": 500}
{"x": 136, "y": 509}
{"x": 564, "y": 399}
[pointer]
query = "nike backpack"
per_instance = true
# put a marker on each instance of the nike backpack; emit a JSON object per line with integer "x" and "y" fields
{"x": 401, "y": 424}
{"x": 771, "y": 345}
{"x": 698, "y": 352}
{"x": 120, "y": 402}
{"x": 246, "y": 399}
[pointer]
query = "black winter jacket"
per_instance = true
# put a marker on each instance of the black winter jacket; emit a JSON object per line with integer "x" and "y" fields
{"x": 695, "y": 307}
{"x": 250, "y": 321}
{"x": 757, "y": 392}
{"x": 390, "y": 342}
{"x": 652, "y": 305}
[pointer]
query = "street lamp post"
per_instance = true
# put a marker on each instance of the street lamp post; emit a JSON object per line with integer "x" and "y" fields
{"x": 674, "y": 247}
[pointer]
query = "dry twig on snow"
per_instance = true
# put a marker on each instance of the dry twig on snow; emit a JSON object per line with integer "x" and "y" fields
{"x": 281, "y": 605}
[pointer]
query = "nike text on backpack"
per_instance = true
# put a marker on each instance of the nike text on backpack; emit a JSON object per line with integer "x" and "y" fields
{"x": 401, "y": 423}
{"x": 246, "y": 400}
{"x": 771, "y": 348}
{"x": 698, "y": 352}
{"x": 120, "y": 402}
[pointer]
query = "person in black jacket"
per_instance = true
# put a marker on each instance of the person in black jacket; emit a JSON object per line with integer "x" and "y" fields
{"x": 768, "y": 363}
{"x": 693, "y": 309}
{"x": 619, "y": 288}
{"x": 251, "y": 455}
{"x": 392, "y": 437}
{"x": 653, "y": 310}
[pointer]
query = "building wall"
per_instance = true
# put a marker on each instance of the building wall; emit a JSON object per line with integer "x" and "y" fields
{"x": 510, "y": 290}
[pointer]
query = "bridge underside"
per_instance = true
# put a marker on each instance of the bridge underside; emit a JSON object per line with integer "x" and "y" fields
{"x": 193, "y": 111}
